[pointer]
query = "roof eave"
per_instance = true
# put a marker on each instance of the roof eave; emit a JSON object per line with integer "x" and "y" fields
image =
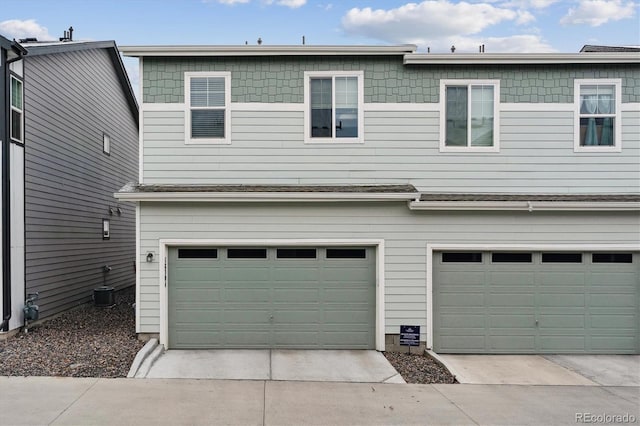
{"x": 263, "y": 196}
{"x": 266, "y": 50}
{"x": 524, "y": 206}
{"x": 521, "y": 58}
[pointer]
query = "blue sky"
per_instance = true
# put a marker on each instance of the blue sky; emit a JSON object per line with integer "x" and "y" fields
{"x": 501, "y": 25}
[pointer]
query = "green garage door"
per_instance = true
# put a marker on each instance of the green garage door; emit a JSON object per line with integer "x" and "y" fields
{"x": 276, "y": 297}
{"x": 536, "y": 302}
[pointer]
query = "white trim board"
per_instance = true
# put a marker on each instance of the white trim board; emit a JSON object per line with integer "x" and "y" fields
{"x": 444, "y": 246}
{"x": 165, "y": 244}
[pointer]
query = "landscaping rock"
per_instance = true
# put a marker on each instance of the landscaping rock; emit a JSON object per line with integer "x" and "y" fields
{"x": 419, "y": 368}
{"x": 86, "y": 341}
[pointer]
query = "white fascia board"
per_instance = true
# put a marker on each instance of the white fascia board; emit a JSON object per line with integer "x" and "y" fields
{"x": 265, "y": 50}
{"x": 520, "y": 58}
{"x": 262, "y": 196}
{"x": 524, "y": 206}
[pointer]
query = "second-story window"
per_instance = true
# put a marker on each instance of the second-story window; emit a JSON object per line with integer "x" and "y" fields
{"x": 207, "y": 96}
{"x": 469, "y": 115}
{"x": 333, "y": 106}
{"x": 17, "y": 127}
{"x": 597, "y": 103}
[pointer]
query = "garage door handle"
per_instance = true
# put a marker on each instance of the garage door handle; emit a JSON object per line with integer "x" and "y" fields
{"x": 271, "y": 318}
{"x": 536, "y": 323}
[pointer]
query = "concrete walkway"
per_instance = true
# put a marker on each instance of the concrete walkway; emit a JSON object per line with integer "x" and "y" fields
{"x": 276, "y": 364}
{"x": 563, "y": 370}
{"x": 62, "y": 401}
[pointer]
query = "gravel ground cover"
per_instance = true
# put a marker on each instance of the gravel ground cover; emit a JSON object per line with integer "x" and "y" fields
{"x": 84, "y": 342}
{"x": 419, "y": 368}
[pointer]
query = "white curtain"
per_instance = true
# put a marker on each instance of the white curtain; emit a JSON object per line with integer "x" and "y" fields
{"x": 590, "y": 105}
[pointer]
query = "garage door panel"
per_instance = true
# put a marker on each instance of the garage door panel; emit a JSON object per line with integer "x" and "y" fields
{"x": 562, "y": 343}
{"x": 250, "y": 293}
{"x": 612, "y": 300}
{"x": 544, "y": 306}
{"x": 297, "y": 316}
{"x": 512, "y": 279}
{"x": 187, "y": 295}
{"x": 295, "y": 273}
{"x": 289, "y": 295}
{"x": 464, "y": 320}
{"x": 469, "y": 343}
{"x": 345, "y": 295}
{"x": 460, "y": 300}
{"x": 561, "y": 321}
{"x": 517, "y": 300}
{"x": 473, "y": 277}
{"x": 563, "y": 279}
{"x": 347, "y": 316}
{"x": 511, "y": 343}
{"x": 512, "y": 320}
{"x": 621, "y": 321}
{"x": 242, "y": 314}
{"x": 606, "y": 343}
{"x": 562, "y": 300}
{"x": 193, "y": 315}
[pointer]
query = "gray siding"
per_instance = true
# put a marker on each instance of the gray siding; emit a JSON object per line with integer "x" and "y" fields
{"x": 386, "y": 79}
{"x": 536, "y": 154}
{"x": 405, "y": 232}
{"x": 71, "y": 99}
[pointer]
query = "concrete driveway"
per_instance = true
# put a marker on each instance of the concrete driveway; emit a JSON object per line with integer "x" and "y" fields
{"x": 292, "y": 365}
{"x": 568, "y": 370}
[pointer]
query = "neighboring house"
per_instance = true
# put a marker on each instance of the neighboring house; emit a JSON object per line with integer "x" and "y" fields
{"x": 80, "y": 145}
{"x": 323, "y": 196}
{"x": 12, "y": 155}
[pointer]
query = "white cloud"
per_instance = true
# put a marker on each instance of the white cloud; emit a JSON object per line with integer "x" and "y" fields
{"x": 524, "y": 17}
{"x": 598, "y": 12}
{"x": 425, "y": 20}
{"x": 230, "y": 2}
{"x": 293, "y": 4}
{"x": 529, "y": 4}
{"x": 15, "y": 28}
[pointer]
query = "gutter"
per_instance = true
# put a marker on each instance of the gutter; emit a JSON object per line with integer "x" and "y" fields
{"x": 263, "y": 196}
{"x": 520, "y": 58}
{"x": 529, "y": 206}
{"x": 6, "y": 186}
{"x": 265, "y": 50}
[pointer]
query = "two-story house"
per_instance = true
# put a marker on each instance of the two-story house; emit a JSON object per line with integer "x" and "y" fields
{"x": 11, "y": 198}
{"x": 323, "y": 196}
{"x": 72, "y": 143}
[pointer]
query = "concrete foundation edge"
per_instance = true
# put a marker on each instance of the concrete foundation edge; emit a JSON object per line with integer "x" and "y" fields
{"x": 141, "y": 356}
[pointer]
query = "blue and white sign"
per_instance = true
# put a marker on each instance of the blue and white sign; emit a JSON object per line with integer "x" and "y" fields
{"x": 410, "y": 335}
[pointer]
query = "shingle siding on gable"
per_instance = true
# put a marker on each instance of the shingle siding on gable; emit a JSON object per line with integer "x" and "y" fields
{"x": 387, "y": 80}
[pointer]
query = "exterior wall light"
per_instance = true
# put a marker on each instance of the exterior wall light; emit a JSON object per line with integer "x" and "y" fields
{"x": 150, "y": 257}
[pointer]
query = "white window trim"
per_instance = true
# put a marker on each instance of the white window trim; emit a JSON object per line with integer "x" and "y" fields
{"x": 617, "y": 131}
{"x": 12, "y": 108}
{"x": 106, "y": 143}
{"x": 308, "y": 75}
{"x": 227, "y": 111}
{"x": 496, "y": 116}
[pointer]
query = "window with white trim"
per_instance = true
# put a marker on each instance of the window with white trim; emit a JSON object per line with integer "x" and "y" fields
{"x": 597, "y": 116}
{"x": 17, "y": 110}
{"x": 106, "y": 144}
{"x": 333, "y": 106}
{"x": 207, "y": 98}
{"x": 469, "y": 115}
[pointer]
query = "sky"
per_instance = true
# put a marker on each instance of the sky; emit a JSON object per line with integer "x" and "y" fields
{"x": 501, "y": 25}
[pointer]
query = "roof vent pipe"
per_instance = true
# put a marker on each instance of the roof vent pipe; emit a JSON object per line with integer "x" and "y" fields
{"x": 303, "y": 40}
{"x": 259, "y": 41}
{"x": 453, "y": 49}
